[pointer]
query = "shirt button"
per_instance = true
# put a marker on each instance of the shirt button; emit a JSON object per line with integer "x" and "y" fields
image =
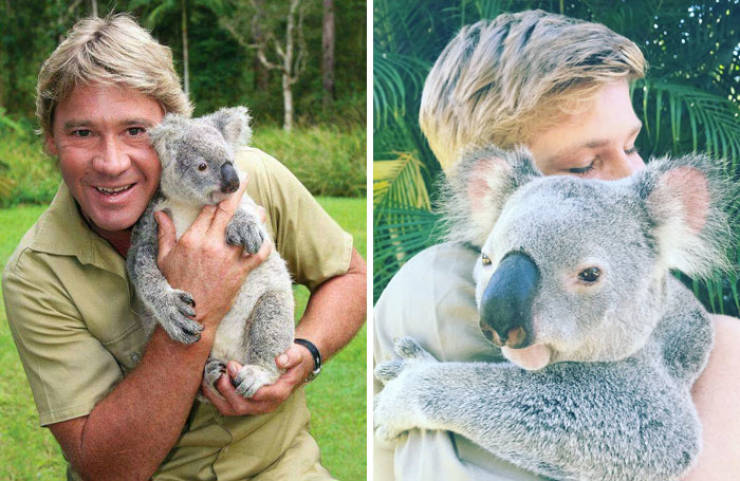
{"x": 135, "y": 357}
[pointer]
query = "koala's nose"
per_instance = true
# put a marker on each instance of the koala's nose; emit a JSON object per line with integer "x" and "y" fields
{"x": 506, "y": 305}
{"x": 229, "y": 178}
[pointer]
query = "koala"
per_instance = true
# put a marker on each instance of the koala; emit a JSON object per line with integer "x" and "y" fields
{"x": 197, "y": 157}
{"x": 599, "y": 343}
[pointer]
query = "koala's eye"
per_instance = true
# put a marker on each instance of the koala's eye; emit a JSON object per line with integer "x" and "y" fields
{"x": 590, "y": 274}
{"x": 485, "y": 260}
{"x": 202, "y": 166}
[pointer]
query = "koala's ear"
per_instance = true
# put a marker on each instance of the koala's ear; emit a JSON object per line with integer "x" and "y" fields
{"x": 477, "y": 189}
{"x": 685, "y": 199}
{"x": 233, "y": 123}
{"x": 162, "y": 135}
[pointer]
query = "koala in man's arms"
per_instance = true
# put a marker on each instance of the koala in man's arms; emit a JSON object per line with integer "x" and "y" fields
{"x": 197, "y": 157}
{"x": 573, "y": 284}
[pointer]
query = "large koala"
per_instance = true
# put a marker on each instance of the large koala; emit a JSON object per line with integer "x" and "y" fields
{"x": 197, "y": 157}
{"x": 573, "y": 284}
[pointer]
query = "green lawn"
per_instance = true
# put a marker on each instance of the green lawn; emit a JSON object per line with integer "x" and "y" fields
{"x": 336, "y": 399}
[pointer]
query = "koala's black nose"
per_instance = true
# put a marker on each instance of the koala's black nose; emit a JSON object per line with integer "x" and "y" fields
{"x": 506, "y": 306}
{"x": 229, "y": 178}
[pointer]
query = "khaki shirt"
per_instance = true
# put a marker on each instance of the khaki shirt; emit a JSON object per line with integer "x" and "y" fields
{"x": 432, "y": 299}
{"x": 71, "y": 313}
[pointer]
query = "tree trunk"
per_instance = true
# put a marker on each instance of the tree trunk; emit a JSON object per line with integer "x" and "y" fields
{"x": 185, "y": 56}
{"x": 327, "y": 59}
{"x": 94, "y": 5}
{"x": 287, "y": 103}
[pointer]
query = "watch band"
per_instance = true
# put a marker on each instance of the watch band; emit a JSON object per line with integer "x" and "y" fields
{"x": 314, "y": 353}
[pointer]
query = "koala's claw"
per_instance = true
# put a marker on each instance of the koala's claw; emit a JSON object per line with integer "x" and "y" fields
{"x": 252, "y": 377}
{"x": 213, "y": 371}
{"x": 386, "y": 371}
{"x": 246, "y": 234}
{"x": 408, "y": 348}
{"x": 179, "y": 308}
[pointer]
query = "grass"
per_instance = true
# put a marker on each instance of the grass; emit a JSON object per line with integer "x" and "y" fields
{"x": 336, "y": 399}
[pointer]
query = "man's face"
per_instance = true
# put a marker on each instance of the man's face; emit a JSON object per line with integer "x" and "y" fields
{"x": 99, "y": 135}
{"x": 598, "y": 143}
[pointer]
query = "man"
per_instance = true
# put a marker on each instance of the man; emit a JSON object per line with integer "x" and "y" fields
{"x": 560, "y": 87}
{"x": 122, "y": 406}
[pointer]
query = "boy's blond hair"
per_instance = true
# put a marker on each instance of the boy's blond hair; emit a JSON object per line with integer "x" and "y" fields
{"x": 112, "y": 50}
{"x": 501, "y": 81}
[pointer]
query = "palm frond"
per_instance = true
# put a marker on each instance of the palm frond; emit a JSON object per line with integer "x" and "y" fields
{"x": 396, "y": 79}
{"x": 399, "y": 182}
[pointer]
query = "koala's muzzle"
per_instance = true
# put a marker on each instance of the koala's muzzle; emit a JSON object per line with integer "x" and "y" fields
{"x": 229, "y": 178}
{"x": 506, "y": 305}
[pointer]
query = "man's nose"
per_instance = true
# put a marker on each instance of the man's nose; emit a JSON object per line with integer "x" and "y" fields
{"x": 623, "y": 165}
{"x": 111, "y": 159}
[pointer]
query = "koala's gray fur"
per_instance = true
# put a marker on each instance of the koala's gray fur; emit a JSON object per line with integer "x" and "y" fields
{"x": 608, "y": 364}
{"x": 197, "y": 157}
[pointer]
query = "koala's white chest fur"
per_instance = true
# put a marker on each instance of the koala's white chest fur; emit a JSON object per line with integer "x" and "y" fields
{"x": 182, "y": 214}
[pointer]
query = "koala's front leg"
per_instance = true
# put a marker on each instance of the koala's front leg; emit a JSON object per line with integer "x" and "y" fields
{"x": 601, "y": 421}
{"x": 244, "y": 230}
{"x": 171, "y": 307}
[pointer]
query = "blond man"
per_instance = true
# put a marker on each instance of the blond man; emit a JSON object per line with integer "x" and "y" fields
{"x": 559, "y": 86}
{"x": 120, "y": 405}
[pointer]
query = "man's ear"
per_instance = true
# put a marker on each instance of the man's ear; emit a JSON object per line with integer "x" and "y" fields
{"x": 685, "y": 199}
{"x": 233, "y": 123}
{"x": 478, "y": 187}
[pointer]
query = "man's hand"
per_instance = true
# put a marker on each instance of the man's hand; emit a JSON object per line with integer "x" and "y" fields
{"x": 202, "y": 263}
{"x": 297, "y": 362}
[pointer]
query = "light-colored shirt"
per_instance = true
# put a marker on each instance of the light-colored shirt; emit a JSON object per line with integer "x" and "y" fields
{"x": 432, "y": 299}
{"x": 72, "y": 313}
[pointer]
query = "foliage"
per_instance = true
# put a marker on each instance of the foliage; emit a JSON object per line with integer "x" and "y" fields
{"x": 328, "y": 161}
{"x": 221, "y": 71}
{"x": 336, "y": 399}
{"x": 689, "y": 101}
{"x": 27, "y": 174}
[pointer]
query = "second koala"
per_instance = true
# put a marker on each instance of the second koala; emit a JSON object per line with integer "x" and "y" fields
{"x": 197, "y": 157}
{"x": 573, "y": 284}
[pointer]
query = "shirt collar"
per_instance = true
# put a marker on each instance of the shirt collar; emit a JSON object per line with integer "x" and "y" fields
{"x": 63, "y": 231}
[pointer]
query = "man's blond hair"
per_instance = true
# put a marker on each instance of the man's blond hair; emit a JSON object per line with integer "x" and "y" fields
{"x": 501, "y": 81}
{"x": 114, "y": 51}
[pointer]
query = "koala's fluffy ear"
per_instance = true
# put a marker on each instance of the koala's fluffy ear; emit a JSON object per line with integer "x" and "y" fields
{"x": 233, "y": 123}
{"x": 685, "y": 199}
{"x": 162, "y": 135}
{"x": 477, "y": 189}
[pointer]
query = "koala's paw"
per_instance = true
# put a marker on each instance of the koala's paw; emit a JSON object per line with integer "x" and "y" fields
{"x": 179, "y": 306}
{"x": 251, "y": 377}
{"x": 213, "y": 371}
{"x": 409, "y": 351}
{"x": 393, "y": 411}
{"x": 248, "y": 235}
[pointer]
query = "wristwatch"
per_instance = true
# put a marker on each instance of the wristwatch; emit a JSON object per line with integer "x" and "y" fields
{"x": 314, "y": 353}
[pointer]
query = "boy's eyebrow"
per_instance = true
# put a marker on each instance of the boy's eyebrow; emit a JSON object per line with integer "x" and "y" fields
{"x": 592, "y": 144}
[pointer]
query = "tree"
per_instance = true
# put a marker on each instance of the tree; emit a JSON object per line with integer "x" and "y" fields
{"x": 327, "y": 58}
{"x": 287, "y": 56}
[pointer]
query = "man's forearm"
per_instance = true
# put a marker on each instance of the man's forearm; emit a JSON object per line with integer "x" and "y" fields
{"x": 336, "y": 309}
{"x": 129, "y": 433}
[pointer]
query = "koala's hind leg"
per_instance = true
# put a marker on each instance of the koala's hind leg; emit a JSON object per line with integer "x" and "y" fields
{"x": 270, "y": 334}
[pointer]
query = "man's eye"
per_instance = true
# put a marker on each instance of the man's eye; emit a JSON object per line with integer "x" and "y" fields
{"x": 82, "y": 133}
{"x": 136, "y": 131}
